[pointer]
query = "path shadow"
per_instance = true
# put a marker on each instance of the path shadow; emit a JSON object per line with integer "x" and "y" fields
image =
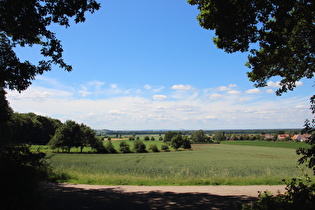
{"x": 59, "y": 197}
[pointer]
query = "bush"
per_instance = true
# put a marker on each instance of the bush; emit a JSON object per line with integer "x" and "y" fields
{"x": 124, "y": 147}
{"x": 177, "y": 141}
{"x": 110, "y": 147}
{"x": 21, "y": 174}
{"x": 99, "y": 147}
{"x": 139, "y": 146}
{"x": 165, "y": 148}
{"x": 300, "y": 194}
{"x": 154, "y": 148}
{"x": 186, "y": 143}
{"x": 146, "y": 138}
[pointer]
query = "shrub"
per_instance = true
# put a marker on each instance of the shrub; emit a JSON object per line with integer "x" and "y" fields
{"x": 154, "y": 148}
{"x": 99, "y": 147}
{"x": 300, "y": 194}
{"x": 177, "y": 141}
{"x": 110, "y": 147}
{"x": 165, "y": 148}
{"x": 146, "y": 138}
{"x": 139, "y": 146}
{"x": 124, "y": 147}
{"x": 21, "y": 174}
{"x": 186, "y": 143}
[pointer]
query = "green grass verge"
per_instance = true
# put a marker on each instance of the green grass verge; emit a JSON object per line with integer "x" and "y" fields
{"x": 221, "y": 164}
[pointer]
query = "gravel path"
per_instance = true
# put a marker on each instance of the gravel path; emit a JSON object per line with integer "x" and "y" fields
{"x": 95, "y": 197}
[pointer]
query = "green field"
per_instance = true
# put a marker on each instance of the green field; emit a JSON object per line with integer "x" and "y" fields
{"x": 214, "y": 164}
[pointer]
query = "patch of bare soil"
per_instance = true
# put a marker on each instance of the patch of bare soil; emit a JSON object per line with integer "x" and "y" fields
{"x": 73, "y": 196}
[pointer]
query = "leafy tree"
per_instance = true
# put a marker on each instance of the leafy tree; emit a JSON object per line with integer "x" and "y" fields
{"x": 152, "y": 138}
{"x": 146, "y": 138}
{"x": 5, "y": 116}
{"x": 88, "y": 137}
{"x": 177, "y": 141}
{"x": 26, "y": 23}
{"x": 186, "y": 143}
{"x": 139, "y": 146}
{"x": 165, "y": 148}
{"x": 160, "y": 138}
{"x": 67, "y": 136}
{"x": 153, "y": 148}
{"x": 308, "y": 154}
{"x": 198, "y": 136}
{"x": 278, "y": 34}
{"x": 110, "y": 147}
{"x": 170, "y": 134}
{"x": 219, "y": 136}
{"x": 99, "y": 146}
{"x": 124, "y": 147}
{"x": 32, "y": 128}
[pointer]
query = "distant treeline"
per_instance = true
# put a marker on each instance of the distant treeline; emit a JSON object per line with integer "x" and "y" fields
{"x": 105, "y": 132}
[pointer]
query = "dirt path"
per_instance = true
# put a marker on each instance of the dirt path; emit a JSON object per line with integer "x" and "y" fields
{"x": 251, "y": 191}
{"x": 79, "y": 196}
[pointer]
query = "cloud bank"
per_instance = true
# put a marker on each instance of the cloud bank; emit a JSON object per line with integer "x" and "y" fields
{"x": 112, "y": 106}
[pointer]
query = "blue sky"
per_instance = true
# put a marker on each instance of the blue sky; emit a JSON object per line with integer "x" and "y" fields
{"x": 149, "y": 65}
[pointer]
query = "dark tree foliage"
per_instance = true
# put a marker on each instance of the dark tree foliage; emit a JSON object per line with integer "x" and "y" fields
{"x": 72, "y": 134}
{"x": 139, "y": 146}
{"x": 5, "y": 116}
{"x": 186, "y": 143}
{"x": 124, "y": 147}
{"x": 21, "y": 171}
{"x": 32, "y": 128}
{"x": 309, "y": 153}
{"x": 170, "y": 134}
{"x": 25, "y": 23}
{"x": 177, "y": 141}
{"x": 280, "y": 36}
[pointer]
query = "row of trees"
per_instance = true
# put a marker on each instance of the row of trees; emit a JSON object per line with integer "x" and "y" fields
{"x": 71, "y": 134}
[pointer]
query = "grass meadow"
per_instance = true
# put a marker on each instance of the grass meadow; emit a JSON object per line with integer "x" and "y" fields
{"x": 206, "y": 164}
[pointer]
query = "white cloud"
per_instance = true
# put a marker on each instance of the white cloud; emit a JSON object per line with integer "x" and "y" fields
{"x": 273, "y": 84}
{"x": 299, "y": 83}
{"x": 253, "y": 91}
{"x": 232, "y": 85}
{"x": 113, "y": 86}
{"x": 226, "y": 88}
{"x": 211, "y": 117}
{"x": 147, "y": 87}
{"x": 182, "y": 87}
{"x": 131, "y": 109}
{"x": 234, "y": 92}
{"x": 116, "y": 112}
{"x": 223, "y": 88}
{"x": 269, "y": 91}
{"x": 215, "y": 96}
{"x": 159, "y": 97}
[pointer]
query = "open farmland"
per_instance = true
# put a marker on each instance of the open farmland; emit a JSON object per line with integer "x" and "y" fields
{"x": 221, "y": 164}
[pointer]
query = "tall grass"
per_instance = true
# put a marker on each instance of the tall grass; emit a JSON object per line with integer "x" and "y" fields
{"x": 205, "y": 165}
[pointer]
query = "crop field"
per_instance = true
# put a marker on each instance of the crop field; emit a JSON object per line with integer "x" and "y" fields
{"x": 206, "y": 164}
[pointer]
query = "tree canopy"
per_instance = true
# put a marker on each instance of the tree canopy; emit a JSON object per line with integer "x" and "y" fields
{"x": 280, "y": 36}
{"x": 25, "y": 23}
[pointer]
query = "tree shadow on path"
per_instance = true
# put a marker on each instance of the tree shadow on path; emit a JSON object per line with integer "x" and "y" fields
{"x": 59, "y": 197}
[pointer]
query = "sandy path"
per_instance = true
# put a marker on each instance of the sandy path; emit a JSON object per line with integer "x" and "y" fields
{"x": 251, "y": 190}
{"x": 99, "y": 197}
